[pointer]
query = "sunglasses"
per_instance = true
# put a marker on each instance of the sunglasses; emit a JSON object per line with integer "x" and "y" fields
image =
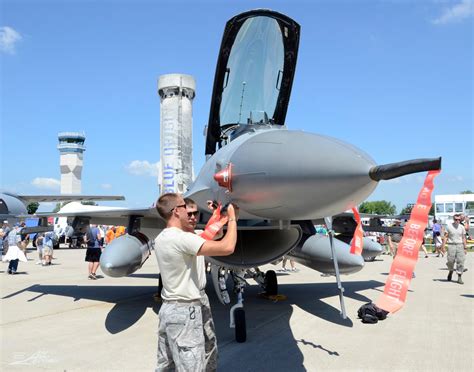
{"x": 178, "y": 206}
{"x": 195, "y": 214}
{"x": 457, "y": 219}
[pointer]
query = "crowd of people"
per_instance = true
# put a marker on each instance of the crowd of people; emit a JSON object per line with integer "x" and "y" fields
{"x": 14, "y": 244}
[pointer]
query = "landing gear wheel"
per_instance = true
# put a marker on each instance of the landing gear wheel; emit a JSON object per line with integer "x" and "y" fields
{"x": 271, "y": 283}
{"x": 240, "y": 326}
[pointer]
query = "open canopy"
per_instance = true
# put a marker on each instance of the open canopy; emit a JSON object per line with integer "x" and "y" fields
{"x": 254, "y": 73}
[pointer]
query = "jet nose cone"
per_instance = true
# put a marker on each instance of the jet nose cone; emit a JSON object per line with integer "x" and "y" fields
{"x": 282, "y": 174}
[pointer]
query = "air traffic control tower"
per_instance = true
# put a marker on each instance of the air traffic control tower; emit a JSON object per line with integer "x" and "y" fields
{"x": 176, "y": 93}
{"x": 71, "y": 148}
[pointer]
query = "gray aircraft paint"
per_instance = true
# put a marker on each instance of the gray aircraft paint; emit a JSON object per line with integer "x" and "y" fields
{"x": 11, "y": 207}
{"x": 124, "y": 255}
{"x": 290, "y": 188}
{"x": 370, "y": 249}
{"x": 315, "y": 253}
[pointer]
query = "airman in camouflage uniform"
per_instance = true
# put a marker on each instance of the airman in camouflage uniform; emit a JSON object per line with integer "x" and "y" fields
{"x": 186, "y": 335}
{"x": 455, "y": 237}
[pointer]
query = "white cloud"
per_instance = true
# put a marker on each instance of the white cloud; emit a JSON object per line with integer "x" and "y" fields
{"x": 8, "y": 39}
{"x": 456, "y": 13}
{"x": 143, "y": 168}
{"x": 46, "y": 183}
{"x": 106, "y": 186}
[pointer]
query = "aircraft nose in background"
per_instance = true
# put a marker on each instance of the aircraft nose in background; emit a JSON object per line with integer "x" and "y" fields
{"x": 280, "y": 174}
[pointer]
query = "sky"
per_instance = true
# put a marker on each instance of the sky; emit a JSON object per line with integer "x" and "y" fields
{"x": 393, "y": 78}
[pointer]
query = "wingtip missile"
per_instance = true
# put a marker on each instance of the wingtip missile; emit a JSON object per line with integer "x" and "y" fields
{"x": 125, "y": 255}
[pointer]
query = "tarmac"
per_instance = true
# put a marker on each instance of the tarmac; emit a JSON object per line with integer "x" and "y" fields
{"x": 55, "y": 319}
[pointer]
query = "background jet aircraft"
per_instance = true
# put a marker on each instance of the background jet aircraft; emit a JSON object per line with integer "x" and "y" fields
{"x": 13, "y": 206}
{"x": 270, "y": 172}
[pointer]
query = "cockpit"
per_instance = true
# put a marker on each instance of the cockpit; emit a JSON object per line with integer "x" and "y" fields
{"x": 254, "y": 75}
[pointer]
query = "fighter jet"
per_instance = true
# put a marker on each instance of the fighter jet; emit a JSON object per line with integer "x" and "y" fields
{"x": 268, "y": 170}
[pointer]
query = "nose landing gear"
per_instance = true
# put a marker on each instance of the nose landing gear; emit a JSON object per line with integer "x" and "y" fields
{"x": 237, "y": 313}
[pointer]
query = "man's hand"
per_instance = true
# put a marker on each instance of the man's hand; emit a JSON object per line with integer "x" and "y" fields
{"x": 233, "y": 212}
{"x": 212, "y": 205}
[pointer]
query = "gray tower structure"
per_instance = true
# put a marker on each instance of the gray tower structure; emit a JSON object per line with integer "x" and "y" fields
{"x": 71, "y": 148}
{"x": 176, "y": 93}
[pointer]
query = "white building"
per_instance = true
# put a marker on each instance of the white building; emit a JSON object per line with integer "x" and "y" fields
{"x": 176, "y": 93}
{"x": 71, "y": 148}
{"x": 448, "y": 205}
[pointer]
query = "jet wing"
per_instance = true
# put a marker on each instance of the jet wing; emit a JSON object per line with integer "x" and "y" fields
{"x": 149, "y": 217}
{"x": 67, "y": 197}
{"x": 104, "y": 213}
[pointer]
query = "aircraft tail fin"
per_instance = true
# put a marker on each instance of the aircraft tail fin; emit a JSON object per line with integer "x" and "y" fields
{"x": 394, "y": 170}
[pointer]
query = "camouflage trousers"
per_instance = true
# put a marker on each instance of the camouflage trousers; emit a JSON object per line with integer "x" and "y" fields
{"x": 186, "y": 337}
{"x": 210, "y": 340}
{"x": 456, "y": 254}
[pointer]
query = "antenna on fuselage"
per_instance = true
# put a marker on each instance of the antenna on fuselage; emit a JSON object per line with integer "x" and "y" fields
{"x": 242, "y": 100}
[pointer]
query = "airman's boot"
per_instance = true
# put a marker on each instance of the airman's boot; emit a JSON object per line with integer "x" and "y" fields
{"x": 450, "y": 276}
{"x": 460, "y": 279}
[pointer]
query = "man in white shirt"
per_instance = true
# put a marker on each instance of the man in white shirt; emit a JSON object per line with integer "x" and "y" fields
{"x": 455, "y": 236}
{"x": 181, "y": 341}
{"x": 210, "y": 340}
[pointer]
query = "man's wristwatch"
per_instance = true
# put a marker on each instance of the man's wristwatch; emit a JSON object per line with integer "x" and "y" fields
{"x": 231, "y": 219}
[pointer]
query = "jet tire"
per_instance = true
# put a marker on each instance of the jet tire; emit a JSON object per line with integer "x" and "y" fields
{"x": 271, "y": 283}
{"x": 240, "y": 326}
